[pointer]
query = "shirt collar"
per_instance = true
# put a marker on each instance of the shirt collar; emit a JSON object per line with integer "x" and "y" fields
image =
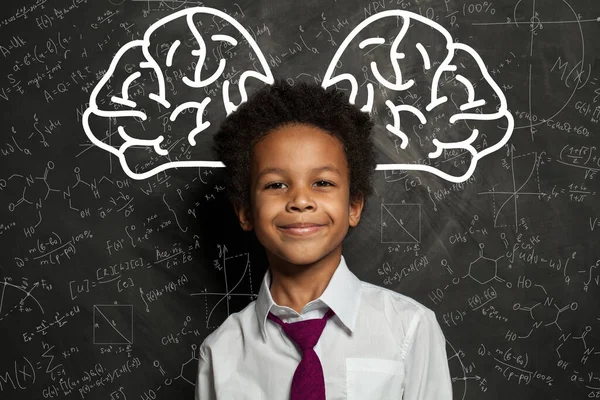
{"x": 342, "y": 295}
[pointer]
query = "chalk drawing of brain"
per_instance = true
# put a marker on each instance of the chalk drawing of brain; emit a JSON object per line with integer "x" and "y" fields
{"x": 427, "y": 78}
{"x": 143, "y": 86}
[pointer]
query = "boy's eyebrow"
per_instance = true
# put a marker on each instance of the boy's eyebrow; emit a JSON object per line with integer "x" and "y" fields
{"x": 281, "y": 171}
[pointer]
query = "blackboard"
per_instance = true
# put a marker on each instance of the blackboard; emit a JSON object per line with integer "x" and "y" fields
{"x": 110, "y": 280}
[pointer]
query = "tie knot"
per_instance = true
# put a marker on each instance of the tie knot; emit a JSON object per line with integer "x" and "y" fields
{"x": 305, "y": 333}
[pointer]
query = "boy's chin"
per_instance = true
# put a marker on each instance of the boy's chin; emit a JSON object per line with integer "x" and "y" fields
{"x": 297, "y": 258}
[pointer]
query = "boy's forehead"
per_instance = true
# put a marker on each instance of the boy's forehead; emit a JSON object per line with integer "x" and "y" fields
{"x": 298, "y": 148}
{"x": 291, "y": 136}
{"x": 326, "y": 167}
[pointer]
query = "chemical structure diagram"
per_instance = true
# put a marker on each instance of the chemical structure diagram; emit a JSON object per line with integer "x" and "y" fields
{"x": 587, "y": 349}
{"x": 544, "y": 313}
{"x": 187, "y": 373}
{"x": 484, "y": 269}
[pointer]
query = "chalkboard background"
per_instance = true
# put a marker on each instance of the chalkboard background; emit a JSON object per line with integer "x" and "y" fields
{"x": 109, "y": 284}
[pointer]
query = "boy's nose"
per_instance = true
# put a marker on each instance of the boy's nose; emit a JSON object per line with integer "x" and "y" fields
{"x": 300, "y": 200}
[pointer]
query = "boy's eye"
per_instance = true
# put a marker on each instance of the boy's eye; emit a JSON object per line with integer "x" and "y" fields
{"x": 326, "y": 182}
{"x": 271, "y": 185}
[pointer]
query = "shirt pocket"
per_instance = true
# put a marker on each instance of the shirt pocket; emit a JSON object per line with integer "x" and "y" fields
{"x": 374, "y": 378}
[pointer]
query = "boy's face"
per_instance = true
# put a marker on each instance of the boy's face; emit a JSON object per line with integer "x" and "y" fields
{"x": 288, "y": 186}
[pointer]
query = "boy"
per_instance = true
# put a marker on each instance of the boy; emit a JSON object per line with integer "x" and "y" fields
{"x": 299, "y": 164}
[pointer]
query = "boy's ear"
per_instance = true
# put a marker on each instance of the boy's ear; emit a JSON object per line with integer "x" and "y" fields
{"x": 355, "y": 209}
{"x": 244, "y": 215}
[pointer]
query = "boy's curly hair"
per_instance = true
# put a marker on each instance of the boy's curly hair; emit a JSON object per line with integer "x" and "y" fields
{"x": 274, "y": 106}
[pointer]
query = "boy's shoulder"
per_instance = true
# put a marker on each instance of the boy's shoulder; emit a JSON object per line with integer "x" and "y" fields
{"x": 230, "y": 332}
{"x": 402, "y": 304}
{"x": 400, "y": 310}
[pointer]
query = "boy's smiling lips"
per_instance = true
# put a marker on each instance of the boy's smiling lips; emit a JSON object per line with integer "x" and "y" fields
{"x": 300, "y": 225}
{"x": 301, "y": 228}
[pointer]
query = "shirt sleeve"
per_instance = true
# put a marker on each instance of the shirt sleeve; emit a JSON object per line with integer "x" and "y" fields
{"x": 427, "y": 374}
{"x": 205, "y": 383}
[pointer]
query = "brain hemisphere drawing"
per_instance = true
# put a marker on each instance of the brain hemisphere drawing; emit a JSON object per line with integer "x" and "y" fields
{"x": 434, "y": 97}
{"x": 435, "y": 105}
{"x": 138, "y": 91}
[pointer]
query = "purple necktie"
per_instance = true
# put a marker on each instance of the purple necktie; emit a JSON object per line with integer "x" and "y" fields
{"x": 308, "y": 382}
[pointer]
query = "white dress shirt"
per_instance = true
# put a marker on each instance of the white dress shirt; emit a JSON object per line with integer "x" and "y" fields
{"x": 379, "y": 345}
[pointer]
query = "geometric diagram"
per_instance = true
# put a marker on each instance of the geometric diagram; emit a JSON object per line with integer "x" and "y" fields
{"x": 121, "y": 105}
{"x": 241, "y": 266}
{"x": 400, "y": 223}
{"x": 401, "y": 49}
{"x": 454, "y": 357}
{"x": 517, "y": 191}
{"x": 113, "y": 324}
{"x": 18, "y": 303}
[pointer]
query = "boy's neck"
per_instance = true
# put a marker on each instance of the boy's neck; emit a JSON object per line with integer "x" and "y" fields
{"x": 294, "y": 286}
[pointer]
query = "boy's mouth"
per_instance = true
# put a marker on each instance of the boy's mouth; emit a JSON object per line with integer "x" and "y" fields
{"x": 300, "y": 225}
{"x": 301, "y": 229}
